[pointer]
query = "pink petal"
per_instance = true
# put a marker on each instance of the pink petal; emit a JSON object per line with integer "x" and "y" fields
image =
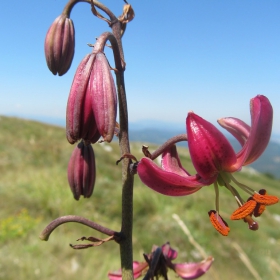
{"x": 169, "y": 183}
{"x": 239, "y": 129}
{"x": 170, "y": 162}
{"x": 168, "y": 252}
{"x": 138, "y": 268}
{"x": 209, "y": 149}
{"x": 116, "y": 275}
{"x": 261, "y": 126}
{"x": 193, "y": 270}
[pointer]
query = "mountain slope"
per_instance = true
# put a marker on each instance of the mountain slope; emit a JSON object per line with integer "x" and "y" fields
{"x": 34, "y": 191}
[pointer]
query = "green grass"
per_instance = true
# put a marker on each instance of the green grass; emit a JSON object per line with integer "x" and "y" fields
{"x": 34, "y": 191}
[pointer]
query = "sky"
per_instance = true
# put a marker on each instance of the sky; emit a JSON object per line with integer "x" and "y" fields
{"x": 206, "y": 56}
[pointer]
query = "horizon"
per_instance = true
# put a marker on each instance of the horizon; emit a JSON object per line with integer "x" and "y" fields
{"x": 139, "y": 125}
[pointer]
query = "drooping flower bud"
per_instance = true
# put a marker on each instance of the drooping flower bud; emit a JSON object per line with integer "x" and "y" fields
{"x": 104, "y": 98}
{"x": 81, "y": 171}
{"x": 60, "y": 45}
{"x": 80, "y": 121}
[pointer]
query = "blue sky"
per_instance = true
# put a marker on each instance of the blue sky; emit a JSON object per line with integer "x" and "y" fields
{"x": 205, "y": 56}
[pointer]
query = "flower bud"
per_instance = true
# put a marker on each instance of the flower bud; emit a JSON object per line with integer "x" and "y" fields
{"x": 81, "y": 171}
{"x": 80, "y": 121}
{"x": 92, "y": 103}
{"x": 60, "y": 45}
{"x": 104, "y": 97}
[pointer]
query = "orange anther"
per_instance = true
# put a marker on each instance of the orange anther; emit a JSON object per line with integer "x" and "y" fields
{"x": 218, "y": 223}
{"x": 259, "y": 209}
{"x": 265, "y": 199}
{"x": 246, "y": 209}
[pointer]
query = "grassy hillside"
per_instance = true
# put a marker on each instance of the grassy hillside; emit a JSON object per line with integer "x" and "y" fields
{"x": 34, "y": 191}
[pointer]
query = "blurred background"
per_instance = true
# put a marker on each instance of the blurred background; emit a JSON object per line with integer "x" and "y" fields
{"x": 208, "y": 57}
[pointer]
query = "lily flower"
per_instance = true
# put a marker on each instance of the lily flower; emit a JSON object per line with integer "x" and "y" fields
{"x": 215, "y": 160}
{"x": 158, "y": 262}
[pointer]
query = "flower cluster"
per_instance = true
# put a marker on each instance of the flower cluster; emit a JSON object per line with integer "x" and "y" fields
{"x": 215, "y": 160}
{"x": 91, "y": 113}
{"x": 158, "y": 262}
{"x": 92, "y": 104}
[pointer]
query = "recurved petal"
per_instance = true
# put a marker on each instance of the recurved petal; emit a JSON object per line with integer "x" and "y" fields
{"x": 261, "y": 125}
{"x": 169, "y": 183}
{"x": 138, "y": 270}
{"x": 193, "y": 270}
{"x": 239, "y": 129}
{"x": 168, "y": 252}
{"x": 171, "y": 162}
{"x": 209, "y": 149}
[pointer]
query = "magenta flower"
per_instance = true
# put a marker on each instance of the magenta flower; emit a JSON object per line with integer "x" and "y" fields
{"x": 215, "y": 160}
{"x": 158, "y": 262}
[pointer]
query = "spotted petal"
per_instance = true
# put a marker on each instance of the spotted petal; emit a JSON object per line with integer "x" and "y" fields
{"x": 169, "y": 183}
{"x": 209, "y": 149}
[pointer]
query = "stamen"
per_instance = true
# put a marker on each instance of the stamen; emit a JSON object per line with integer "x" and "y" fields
{"x": 242, "y": 186}
{"x": 265, "y": 199}
{"x": 217, "y": 196}
{"x": 218, "y": 223}
{"x": 235, "y": 193}
{"x": 238, "y": 201}
{"x": 253, "y": 225}
{"x": 259, "y": 209}
{"x": 243, "y": 211}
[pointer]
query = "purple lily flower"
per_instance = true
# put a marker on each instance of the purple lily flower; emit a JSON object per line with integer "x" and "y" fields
{"x": 164, "y": 256}
{"x": 215, "y": 160}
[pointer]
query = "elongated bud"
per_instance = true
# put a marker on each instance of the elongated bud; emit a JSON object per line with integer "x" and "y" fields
{"x": 80, "y": 121}
{"x": 104, "y": 97}
{"x": 81, "y": 171}
{"x": 60, "y": 45}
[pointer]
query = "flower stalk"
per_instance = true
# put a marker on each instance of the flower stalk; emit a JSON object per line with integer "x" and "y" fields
{"x": 125, "y": 236}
